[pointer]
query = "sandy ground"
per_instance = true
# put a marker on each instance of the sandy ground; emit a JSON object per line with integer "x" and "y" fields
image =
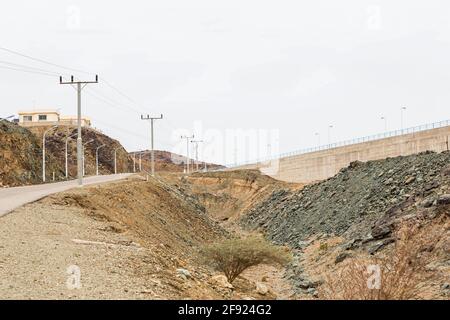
{"x": 38, "y": 250}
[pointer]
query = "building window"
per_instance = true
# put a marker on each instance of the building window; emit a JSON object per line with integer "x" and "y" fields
{"x": 42, "y": 117}
{"x": 27, "y": 118}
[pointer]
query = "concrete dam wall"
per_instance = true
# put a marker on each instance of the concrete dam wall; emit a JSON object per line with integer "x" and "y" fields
{"x": 318, "y": 165}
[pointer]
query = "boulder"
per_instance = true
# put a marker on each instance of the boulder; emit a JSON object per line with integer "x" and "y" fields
{"x": 261, "y": 288}
{"x": 443, "y": 199}
{"x": 221, "y": 281}
{"x": 183, "y": 273}
{"x": 341, "y": 257}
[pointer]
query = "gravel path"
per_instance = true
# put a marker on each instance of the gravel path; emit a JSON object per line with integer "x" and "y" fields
{"x": 39, "y": 245}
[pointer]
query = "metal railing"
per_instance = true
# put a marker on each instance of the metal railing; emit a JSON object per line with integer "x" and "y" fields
{"x": 384, "y": 135}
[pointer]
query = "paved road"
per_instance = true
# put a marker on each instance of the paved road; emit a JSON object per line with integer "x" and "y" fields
{"x": 12, "y": 198}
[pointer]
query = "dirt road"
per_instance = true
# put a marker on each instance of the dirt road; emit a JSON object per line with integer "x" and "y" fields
{"x": 12, "y": 198}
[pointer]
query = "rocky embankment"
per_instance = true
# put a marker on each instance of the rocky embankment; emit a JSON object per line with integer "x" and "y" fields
{"x": 360, "y": 203}
{"x": 21, "y": 154}
{"x": 360, "y": 209}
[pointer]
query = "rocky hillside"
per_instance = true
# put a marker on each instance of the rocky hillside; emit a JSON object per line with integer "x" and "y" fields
{"x": 21, "y": 154}
{"x": 353, "y": 202}
{"x": 55, "y": 144}
{"x": 358, "y": 214}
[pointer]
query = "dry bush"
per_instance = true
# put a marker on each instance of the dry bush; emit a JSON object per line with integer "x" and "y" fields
{"x": 403, "y": 271}
{"x": 233, "y": 256}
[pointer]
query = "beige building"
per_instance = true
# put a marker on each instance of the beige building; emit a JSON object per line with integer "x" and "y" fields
{"x": 47, "y": 117}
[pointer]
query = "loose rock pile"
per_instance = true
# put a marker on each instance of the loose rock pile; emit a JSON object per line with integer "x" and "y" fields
{"x": 357, "y": 203}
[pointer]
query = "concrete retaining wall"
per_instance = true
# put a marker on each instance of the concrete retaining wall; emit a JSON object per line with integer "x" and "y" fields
{"x": 319, "y": 165}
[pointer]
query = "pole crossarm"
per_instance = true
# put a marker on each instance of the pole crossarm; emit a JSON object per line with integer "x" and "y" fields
{"x": 77, "y": 82}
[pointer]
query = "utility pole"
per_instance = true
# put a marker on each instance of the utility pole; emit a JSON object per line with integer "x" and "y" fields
{"x": 196, "y": 152}
{"x": 43, "y": 152}
{"x": 92, "y": 140}
{"x": 79, "y": 85}
{"x": 187, "y": 150}
{"x": 67, "y": 163}
{"x": 140, "y": 161}
{"x": 96, "y": 158}
{"x": 152, "y": 150}
{"x": 134, "y": 162}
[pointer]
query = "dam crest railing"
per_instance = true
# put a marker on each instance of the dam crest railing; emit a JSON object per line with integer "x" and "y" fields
{"x": 388, "y": 134}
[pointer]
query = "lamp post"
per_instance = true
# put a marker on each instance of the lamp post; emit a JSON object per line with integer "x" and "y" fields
{"x": 43, "y": 151}
{"x": 402, "y": 109}
{"x": 115, "y": 159}
{"x": 187, "y": 150}
{"x": 96, "y": 158}
{"x": 67, "y": 164}
{"x": 83, "y": 154}
{"x": 385, "y": 123}
{"x": 318, "y": 138}
{"x": 329, "y": 133}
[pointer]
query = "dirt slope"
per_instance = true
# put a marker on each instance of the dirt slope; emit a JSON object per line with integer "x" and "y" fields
{"x": 130, "y": 240}
{"x": 227, "y": 194}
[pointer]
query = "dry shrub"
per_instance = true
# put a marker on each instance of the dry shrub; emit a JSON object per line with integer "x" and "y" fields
{"x": 233, "y": 256}
{"x": 403, "y": 271}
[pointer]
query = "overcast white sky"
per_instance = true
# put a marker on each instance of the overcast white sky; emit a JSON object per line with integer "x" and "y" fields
{"x": 287, "y": 68}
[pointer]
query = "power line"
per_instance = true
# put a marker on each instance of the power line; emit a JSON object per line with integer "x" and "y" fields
{"x": 16, "y": 65}
{"x": 98, "y": 96}
{"x": 28, "y": 71}
{"x": 69, "y": 69}
{"x": 118, "y": 91}
{"x": 43, "y": 61}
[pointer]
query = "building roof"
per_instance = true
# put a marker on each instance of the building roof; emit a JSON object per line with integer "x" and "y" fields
{"x": 73, "y": 117}
{"x": 39, "y": 111}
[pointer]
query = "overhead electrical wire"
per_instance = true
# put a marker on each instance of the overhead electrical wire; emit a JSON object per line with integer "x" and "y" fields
{"x": 91, "y": 91}
{"x": 107, "y": 83}
{"x": 28, "y": 71}
{"x": 43, "y": 61}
